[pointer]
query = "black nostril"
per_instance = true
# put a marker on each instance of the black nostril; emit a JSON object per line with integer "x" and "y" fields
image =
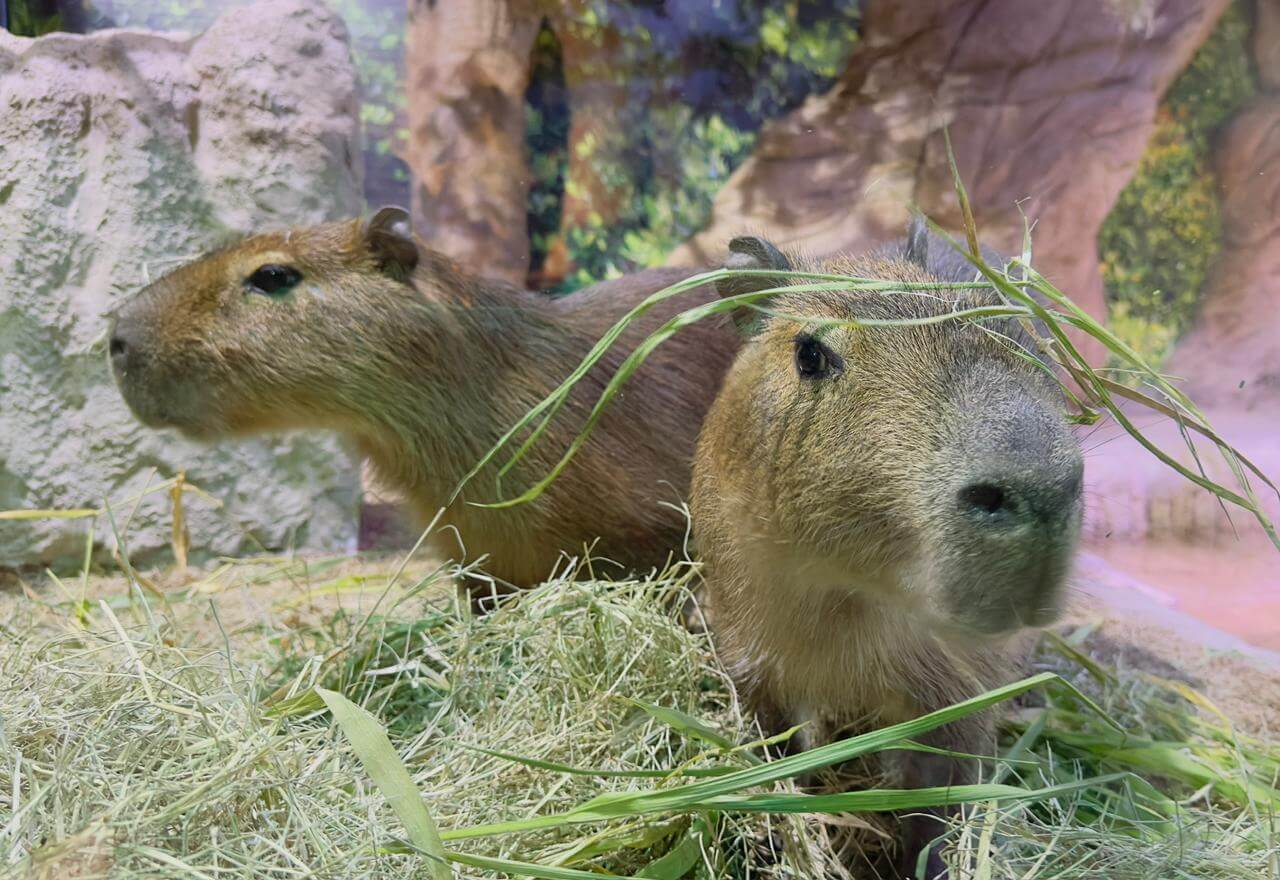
{"x": 117, "y": 347}
{"x": 984, "y": 498}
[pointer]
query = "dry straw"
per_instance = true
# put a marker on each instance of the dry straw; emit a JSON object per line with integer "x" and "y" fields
{"x": 578, "y": 730}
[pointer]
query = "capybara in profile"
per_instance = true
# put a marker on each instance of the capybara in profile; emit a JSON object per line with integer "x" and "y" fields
{"x": 359, "y": 328}
{"x": 879, "y": 508}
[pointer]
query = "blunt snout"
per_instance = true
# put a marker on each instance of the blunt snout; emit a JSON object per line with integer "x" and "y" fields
{"x": 157, "y": 397}
{"x": 125, "y": 344}
{"x": 1018, "y": 466}
{"x": 1010, "y": 516}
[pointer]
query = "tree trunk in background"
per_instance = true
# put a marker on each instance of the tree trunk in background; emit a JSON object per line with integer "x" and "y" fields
{"x": 599, "y": 181}
{"x": 468, "y": 64}
{"x": 467, "y": 69}
{"x": 1048, "y": 104}
{"x": 1231, "y": 357}
{"x": 604, "y": 120}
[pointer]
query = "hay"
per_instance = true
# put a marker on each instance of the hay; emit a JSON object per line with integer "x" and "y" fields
{"x": 142, "y": 744}
{"x": 180, "y": 737}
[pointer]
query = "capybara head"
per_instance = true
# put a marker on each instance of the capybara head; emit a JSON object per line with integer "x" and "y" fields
{"x": 248, "y": 338}
{"x": 930, "y": 464}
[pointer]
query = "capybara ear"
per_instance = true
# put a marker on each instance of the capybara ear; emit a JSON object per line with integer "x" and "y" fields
{"x": 389, "y": 237}
{"x": 751, "y": 252}
{"x": 917, "y": 249}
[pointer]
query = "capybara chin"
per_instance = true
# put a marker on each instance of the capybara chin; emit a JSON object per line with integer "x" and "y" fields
{"x": 879, "y": 508}
{"x": 359, "y": 328}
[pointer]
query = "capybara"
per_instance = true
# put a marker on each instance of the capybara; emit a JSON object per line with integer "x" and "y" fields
{"x": 358, "y": 327}
{"x": 879, "y": 508}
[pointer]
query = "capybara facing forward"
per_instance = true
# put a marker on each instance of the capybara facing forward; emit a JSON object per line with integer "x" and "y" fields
{"x": 879, "y": 508}
{"x": 358, "y": 327}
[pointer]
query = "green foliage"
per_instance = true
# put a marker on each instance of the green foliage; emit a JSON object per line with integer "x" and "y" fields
{"x": 1164, "y": 232}
{"x": 377, "y": 48}
{"x": 698, "y": 89}
{"x": 667, "y": 209}
{"x": 546, "y": 143}
{"x": 34, "y": 18}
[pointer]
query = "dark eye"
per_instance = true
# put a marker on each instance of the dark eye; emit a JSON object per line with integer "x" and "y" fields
{"x": 273, "y": 280}
{"x": 814, "y": 360}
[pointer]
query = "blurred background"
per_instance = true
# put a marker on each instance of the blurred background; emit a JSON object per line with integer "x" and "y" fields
{"x": 557, "y": 143}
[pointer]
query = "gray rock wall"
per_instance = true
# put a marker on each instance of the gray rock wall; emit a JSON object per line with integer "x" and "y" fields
{"x": 122, "y": 153}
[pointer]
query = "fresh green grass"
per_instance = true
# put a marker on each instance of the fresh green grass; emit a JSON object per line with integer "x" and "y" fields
{"x": 1056, "y": 324}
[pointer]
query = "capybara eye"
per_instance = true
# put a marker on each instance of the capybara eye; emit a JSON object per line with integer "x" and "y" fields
{"x": 273, "y": 279}
{"x": 813, "y": 359}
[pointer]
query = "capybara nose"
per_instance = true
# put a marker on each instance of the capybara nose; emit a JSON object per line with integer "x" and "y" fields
{"x": 124, "y": 345}
{"x": 1046, "y": 498}
{"x": 985, "y": 499}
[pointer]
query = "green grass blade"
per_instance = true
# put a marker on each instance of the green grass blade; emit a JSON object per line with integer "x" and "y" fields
{"x": 520, "y": 869}
{"x": 883, "y": 800}
{"x": 1193, "y": 765}
{"x": 556, "y": 399}
{"x": 552, "y": 766}
{"x": 702, "y": 795}
{"x": 388, "y": 772}
{"x": 681, "y": 858}
{"x": 692, "y": 728}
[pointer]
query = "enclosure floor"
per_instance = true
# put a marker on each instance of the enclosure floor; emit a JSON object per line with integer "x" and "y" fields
{"x": 1234, "y": 590}
{"x": 1171, "y": 545}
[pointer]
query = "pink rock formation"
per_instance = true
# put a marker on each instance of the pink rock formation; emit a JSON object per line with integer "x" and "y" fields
{"x": 1049, "y": 106}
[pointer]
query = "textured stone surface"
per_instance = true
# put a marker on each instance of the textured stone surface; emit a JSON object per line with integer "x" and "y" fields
{"x": 121, "y": 153}
{"x": 1051, "y": 109}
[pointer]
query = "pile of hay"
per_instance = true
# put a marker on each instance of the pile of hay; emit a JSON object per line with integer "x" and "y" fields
{"x": 146, "y": 737}
{"x": 177, "y": 735}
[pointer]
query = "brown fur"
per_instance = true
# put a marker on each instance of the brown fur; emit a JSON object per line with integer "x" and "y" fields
{"x": 424, "y": 367}
{"x": 843, "y": 590}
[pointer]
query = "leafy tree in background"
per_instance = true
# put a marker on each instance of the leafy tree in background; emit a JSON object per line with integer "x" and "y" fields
{"x": 701, "y": 81}
{"x": 377, "y": 47}
{"x": 547, "y": 145}
{"x": 1162, "y": 236}
{"x": 33, "y": 18}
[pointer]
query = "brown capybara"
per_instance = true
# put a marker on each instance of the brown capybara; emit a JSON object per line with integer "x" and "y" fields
{"x": 879, "y": 509}
{"x": 359, "y": 328}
